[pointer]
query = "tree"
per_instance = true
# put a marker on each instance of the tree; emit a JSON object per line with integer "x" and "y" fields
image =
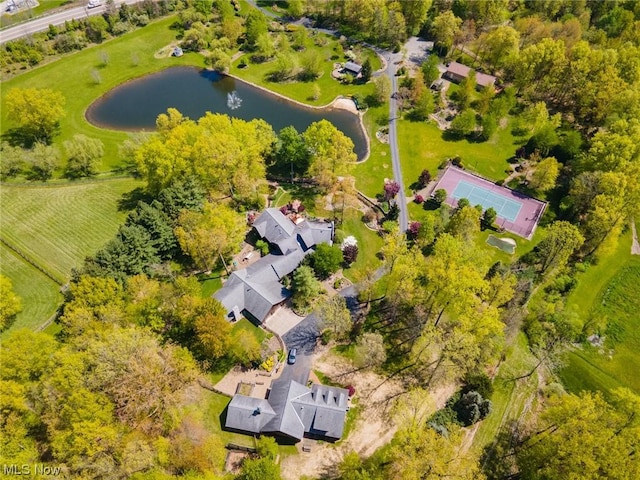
{"x": 583, "y": 437}
{"x": 561, "y": 241}
{"x": 214, "y": 233}
{"x": 11, "y": 161}
{"x": 423, "y": 106}
{"x": 331, "y": 153}
{"x": 213, "y": 329}
{"x": 334, "y": 315}
{"x": 36, "y": 111}
{"x": 464, "y": 223}
{"x": 158, "y": 225}
{"x": 440, "y": 196}
{"x": 430, "y": 69}
{"x": 267, "y": 447}
{"x": 489, "y": 127}
{"x": 464, "y": 123}
{"x": 84, "y": 153}
{"x": 305, "y": 286}
{"x": 326, "y": 260}
{"x": 312, "y": 64}
{"x": 10, "y": 303}
{"x": 284, "y": 67}
{"x": 350, "y": 254}
{"x": 292, "y": 150}
{"x": 424, "y": 178}
{"x": 382, "y": 89}
{"x": 423, "y": 453}
{"x": 467, "y": 88}
{"x": 259, "y": 469}
{"x": 489, "y": 217}
{"x": 256, "y": 26}
{"x": 445, "y": 27}
{"x": 43, "y": 160}
{"x": 391, "y": 189}
{"x": 545, "y": 174}
{"x": 415, "y": 14}
{"x": 365, "y": 74}
{"x": 143, "y": 378}
{"x": 370, "y": 351}
{"x": 499, "y": 45}
{"x": 265, "y": 48}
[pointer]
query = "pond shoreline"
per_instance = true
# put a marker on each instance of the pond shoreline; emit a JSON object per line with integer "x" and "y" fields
{"x": 339, "y": 103}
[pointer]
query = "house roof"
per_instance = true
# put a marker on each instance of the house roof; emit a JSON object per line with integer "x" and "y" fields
{"x": 461, "y": 70}
{"x": 258, "y": 288}
{"x": 273, "y": 225}
{"x": 320, "y": 410}
{"x": 248, "y": 414}
{"x": 353, "y": 67}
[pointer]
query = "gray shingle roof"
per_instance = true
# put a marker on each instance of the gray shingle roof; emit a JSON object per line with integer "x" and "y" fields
{"x": 353, "y": 67}
{"x": 273, "y": 225}
{"x": 248, "y": 414}
{"x": 257, "y": 288}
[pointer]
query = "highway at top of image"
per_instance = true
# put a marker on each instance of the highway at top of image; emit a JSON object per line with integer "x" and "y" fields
{"x": 40, "y": 24}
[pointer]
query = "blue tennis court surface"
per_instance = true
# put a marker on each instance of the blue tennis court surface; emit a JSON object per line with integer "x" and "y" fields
{"x": 505, "y": 208}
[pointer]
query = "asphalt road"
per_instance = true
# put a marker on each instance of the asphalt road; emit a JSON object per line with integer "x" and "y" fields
{"x": 42, "y": 23}
{"x": 401, "y": 199}
{"x": 304, "y": 337}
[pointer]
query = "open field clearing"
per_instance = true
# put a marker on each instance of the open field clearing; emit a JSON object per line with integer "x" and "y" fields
{"x": 56, "y": 227}
{"x": 40, "y": 295}
{"x": 422, "y": 146}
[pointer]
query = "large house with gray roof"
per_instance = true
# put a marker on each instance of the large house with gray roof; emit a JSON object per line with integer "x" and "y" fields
{"x": 291, "y": 412}
{"x": 257, "y": 289}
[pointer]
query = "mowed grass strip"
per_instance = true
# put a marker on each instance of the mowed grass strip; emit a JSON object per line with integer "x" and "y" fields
{"x": 618, "y": 303}
{"x": 129, "y": 56}
{"x": 57, "y": 226}
{"x": 371, "y": 173}
{"x": 40, "y": 295}
{"x": 422, "y": 145}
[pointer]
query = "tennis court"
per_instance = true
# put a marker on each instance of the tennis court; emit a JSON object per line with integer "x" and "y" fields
{"x": 505, "y": 208}
{"x": 517, "y": 213}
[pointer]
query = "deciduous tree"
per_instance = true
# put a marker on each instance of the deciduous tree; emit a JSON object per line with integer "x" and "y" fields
{"x": 83, "y": 154}
{"x": 335, "y": 316}
{"x": 370, "y": 350}
{"x": 561, "y": 241}
{"x": 10, "y": 303}
{"x": 305, "y": 286}
{"x": 36, "y": 111}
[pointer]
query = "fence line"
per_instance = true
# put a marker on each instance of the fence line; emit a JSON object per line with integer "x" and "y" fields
{"x": 31, "y": 262}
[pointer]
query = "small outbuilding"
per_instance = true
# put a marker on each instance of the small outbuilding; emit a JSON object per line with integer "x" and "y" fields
{"x": 456, "y": 72}
{"x": 177, "y": 52}
{"x": 353, "y": 68}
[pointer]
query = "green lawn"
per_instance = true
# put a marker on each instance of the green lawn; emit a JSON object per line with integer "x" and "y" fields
{"x": 509, "y": 398}
{"x": 371, "y": 173}
{"x": 58, "y": 225}
{"x": 71, "y": 75}
{"x": 422, "y": 146}
{"x": 244, "y": 325}
{"x": 302, "y": 91}
{"x": 369, "y": 244}
{"x": 40, "y": 295}
{"x": 615, "y": 300}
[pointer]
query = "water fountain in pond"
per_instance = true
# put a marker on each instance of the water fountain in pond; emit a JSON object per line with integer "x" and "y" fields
{"x": 233, "y": 100}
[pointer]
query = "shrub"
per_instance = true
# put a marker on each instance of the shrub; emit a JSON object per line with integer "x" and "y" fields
{"x": 424, "y": 178}
{"x": 418, "y": 199}
{"x": 352, "y": 390}
{"x": 263, "y": 247}
{"x": 414, "y": 229}
{"x": 350, "y": 254}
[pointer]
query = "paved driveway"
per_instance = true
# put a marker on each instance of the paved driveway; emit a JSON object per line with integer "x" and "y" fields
{"x": 283, "y": 320}
{"x": 303, "y": 337}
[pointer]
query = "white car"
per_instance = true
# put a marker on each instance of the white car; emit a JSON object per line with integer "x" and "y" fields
{"x": 94, "y": 3}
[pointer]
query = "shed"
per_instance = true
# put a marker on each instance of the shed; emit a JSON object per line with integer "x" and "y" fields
{"x": 353, "y": 67}
{"x": 177, "y": 52}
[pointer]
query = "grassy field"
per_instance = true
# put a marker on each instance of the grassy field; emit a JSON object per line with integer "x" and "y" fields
{"x": 43, "y": 7}
{"x": 369, "y": 244}
{"x": 57, "y": 226}
{"x": 302, "y": 91}
{"x": 40, "y": 295}
{"x": 614, "y": 298}
{"x": 510, "y": 398}
{"x": 371, "y": 173}
{"x": 422, "y": 146}
{"x": 80, "y": 90}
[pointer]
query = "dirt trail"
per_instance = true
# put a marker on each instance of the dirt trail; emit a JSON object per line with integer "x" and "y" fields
{"x": 374, "y": 427}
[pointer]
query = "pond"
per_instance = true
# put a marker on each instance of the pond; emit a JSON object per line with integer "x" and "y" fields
{"x": 136, "y": 104}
